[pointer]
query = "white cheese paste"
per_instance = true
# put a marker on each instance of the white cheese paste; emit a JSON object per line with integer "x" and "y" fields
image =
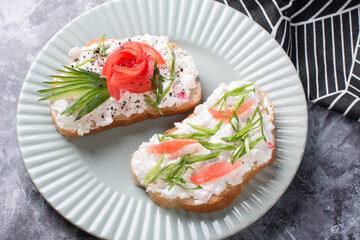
{"x": 143, "y": 162}
{"x": 129, "y": 103}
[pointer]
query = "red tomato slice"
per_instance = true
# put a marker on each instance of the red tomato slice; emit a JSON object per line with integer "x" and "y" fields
{"x": 113, "y": 60}
{"x": 136, "y": 89}
{"x": 121, "y": 56}
{"x": 140, "y": 89}
{"x": 113, "y": 91}
{"x": 134, "y": 71}
{"x": 144, "y": 48}
{"x": 137, "y": 83}
{"x": 130, "y": 68}
{"x": 153, "y": 53}
{"x": 126, "y": 67}
{"x": 134, "y": 48}
{"x": 214, "y": 171}
{"x": 170, "y": 147}
{"x": 116, "y": 92}
{"x": 243, "y": 108}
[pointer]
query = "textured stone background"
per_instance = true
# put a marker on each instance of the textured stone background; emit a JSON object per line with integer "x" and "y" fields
{"x": 323, "y": 201}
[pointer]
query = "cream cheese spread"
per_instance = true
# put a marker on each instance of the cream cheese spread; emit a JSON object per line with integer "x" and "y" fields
{"x": 129, "y": 103}
{"x": 143, "y": 162}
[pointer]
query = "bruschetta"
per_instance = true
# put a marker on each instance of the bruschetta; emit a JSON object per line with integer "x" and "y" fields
{"x": 112, "y": 83}
{"x": 205, "y": 161}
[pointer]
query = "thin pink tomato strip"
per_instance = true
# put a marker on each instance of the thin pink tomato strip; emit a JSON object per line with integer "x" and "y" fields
{"x": 170, "y": 147}
{"x": 216, "y": 114}
{"x": 214, "y": 171}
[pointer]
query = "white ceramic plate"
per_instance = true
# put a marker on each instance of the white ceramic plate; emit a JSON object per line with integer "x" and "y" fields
{"x": 88, "y": 180}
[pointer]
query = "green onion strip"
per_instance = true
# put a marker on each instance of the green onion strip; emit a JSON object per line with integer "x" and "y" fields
{"x": 158, "y": 80}
{"x": 238, "y": 144}
{"x": 89, "y": 89}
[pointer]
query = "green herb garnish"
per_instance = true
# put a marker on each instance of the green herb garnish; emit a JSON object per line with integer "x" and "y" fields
{"x": 173, "y": 173}
{"x": 242, "y": 135}
{"x": 240, "y": 91}
{"x": 88, "y": 88}
{"x": 238, "y": 144}
{"x": 203, "y": 134}
{"x": 251, "y": 124}
{"x": 217, "y": 146}
{"x": 157, "y": 82}
{"x": 99, "y": 51}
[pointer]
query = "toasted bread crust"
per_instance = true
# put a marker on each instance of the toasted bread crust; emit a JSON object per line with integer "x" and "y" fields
{"x": 149, "y": 113}
{"x": 216, "y": 202}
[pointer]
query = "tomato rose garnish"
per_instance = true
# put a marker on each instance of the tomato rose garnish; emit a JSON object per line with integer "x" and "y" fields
{"x": 130, "y": 68}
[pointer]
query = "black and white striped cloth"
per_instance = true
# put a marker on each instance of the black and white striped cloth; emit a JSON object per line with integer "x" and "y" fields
{"x": 322, "y": 39}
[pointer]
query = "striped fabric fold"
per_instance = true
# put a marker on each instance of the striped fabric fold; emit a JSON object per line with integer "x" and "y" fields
{"x": 322, "y": 40}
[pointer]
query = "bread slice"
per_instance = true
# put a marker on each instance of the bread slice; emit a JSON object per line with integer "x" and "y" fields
{"x": 149, "y": 112}
{"x": 229, "y": 194}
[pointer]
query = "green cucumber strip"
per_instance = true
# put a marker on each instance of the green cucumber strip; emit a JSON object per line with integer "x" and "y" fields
{"x": 64, "y": 83}
{"x": 79, "y": 103}
{"x": 72, "y": 93}
{"x": 64, "y": 88}
{"x": 79, "y": 72}
{"x": 85, "y": 86}
{"x": 94, "y": 103}
{"x": 68, "y": 78}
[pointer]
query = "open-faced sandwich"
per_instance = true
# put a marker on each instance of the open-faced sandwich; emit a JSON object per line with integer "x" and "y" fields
{"x": 203, "y": 163}
{"x": 120, "y": 82}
